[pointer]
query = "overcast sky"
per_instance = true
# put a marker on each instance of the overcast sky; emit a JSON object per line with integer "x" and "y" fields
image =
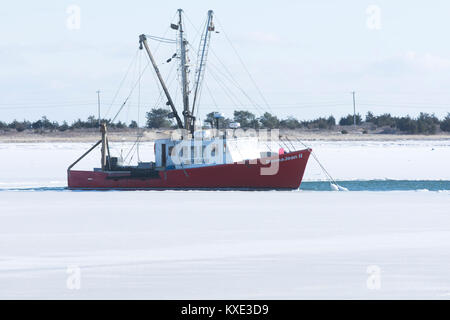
{"x": 305, "y": 57}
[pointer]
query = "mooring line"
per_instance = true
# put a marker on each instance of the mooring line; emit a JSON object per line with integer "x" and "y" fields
{"x": 335, "y": 185}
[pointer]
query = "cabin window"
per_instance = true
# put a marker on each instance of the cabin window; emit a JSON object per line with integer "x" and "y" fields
{"x": 170, "y": 151}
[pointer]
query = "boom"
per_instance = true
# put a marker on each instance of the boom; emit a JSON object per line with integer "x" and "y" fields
{"x": 143, "y": 42}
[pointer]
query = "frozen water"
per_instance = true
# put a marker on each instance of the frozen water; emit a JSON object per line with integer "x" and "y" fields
{"x": 218, "y": 245}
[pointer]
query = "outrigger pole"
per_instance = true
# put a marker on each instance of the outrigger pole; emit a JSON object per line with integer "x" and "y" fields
{"x": 84, "y": 155}
{"x": 105, "y": 161}
{"x": 143, "y": 43}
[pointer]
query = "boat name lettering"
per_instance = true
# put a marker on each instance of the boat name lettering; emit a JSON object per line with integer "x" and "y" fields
{"x": 283, "y": 159}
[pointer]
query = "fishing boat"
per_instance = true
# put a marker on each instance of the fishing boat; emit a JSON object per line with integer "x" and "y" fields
{"x": 195, "y": 159}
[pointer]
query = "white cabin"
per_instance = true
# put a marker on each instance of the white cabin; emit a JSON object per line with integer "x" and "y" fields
{"x": 204, "y": 151}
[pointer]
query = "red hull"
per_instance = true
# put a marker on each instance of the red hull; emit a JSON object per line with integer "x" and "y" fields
{"x": 228, "y": 176}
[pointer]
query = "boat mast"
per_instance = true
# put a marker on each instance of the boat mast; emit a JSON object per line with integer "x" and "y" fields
{"x": 204, "y": 46}
{"x": 184, "y": 75}
{"x": 143, "y": 43}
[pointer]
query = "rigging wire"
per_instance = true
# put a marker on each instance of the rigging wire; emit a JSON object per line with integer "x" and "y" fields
{"x": 297, "y": 105}
{"x": 197, "y": 31}
{"x": 131, "y": 92}
{"x": 226, "y": 90}
{"x": 202, "y": 57}
{"x": 148, "y": 63}
{"x": 133, "y": 78}
{"x": 197, "y": 35}
{"x": 334, "y": 185}
{"x": 223, "y": 86}
{"x": 211, "y": 95}
{"x": 160, "y": 39}
{"x": 236, "y": 84}
{"x": 160, "y": 97}
{"x": 131, "y": 149}
{"x": 135, "y": 146}
{"x": 139, "y": 111}
{"x": 230, "y": 75}
{"x": 121, "y": 84}
{"x": 200, "y": 92}
{"x": 243, "y": 64}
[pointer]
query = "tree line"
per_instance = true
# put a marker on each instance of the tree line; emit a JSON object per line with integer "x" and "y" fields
{"x": 45, "y": 124}
{"x": 423, "y": 124}
{"x": 158, "y": 118}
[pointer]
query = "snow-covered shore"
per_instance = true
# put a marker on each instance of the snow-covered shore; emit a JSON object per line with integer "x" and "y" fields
{"x": 149, "y": 135}
{"x": 212, "y": 245}
{"x": 371, "y": 160}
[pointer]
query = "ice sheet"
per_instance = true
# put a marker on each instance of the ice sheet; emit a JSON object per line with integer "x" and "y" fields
{"x": 211, "y": 245}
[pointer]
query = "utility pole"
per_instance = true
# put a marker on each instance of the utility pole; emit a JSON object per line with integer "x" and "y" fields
{"x": 354, "y": 110}
{"x": 98, "y": 101}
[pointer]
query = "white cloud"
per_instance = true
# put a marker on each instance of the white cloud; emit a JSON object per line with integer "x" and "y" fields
{"x": 427, "y": 61}
{"x": 410, "y": 62}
